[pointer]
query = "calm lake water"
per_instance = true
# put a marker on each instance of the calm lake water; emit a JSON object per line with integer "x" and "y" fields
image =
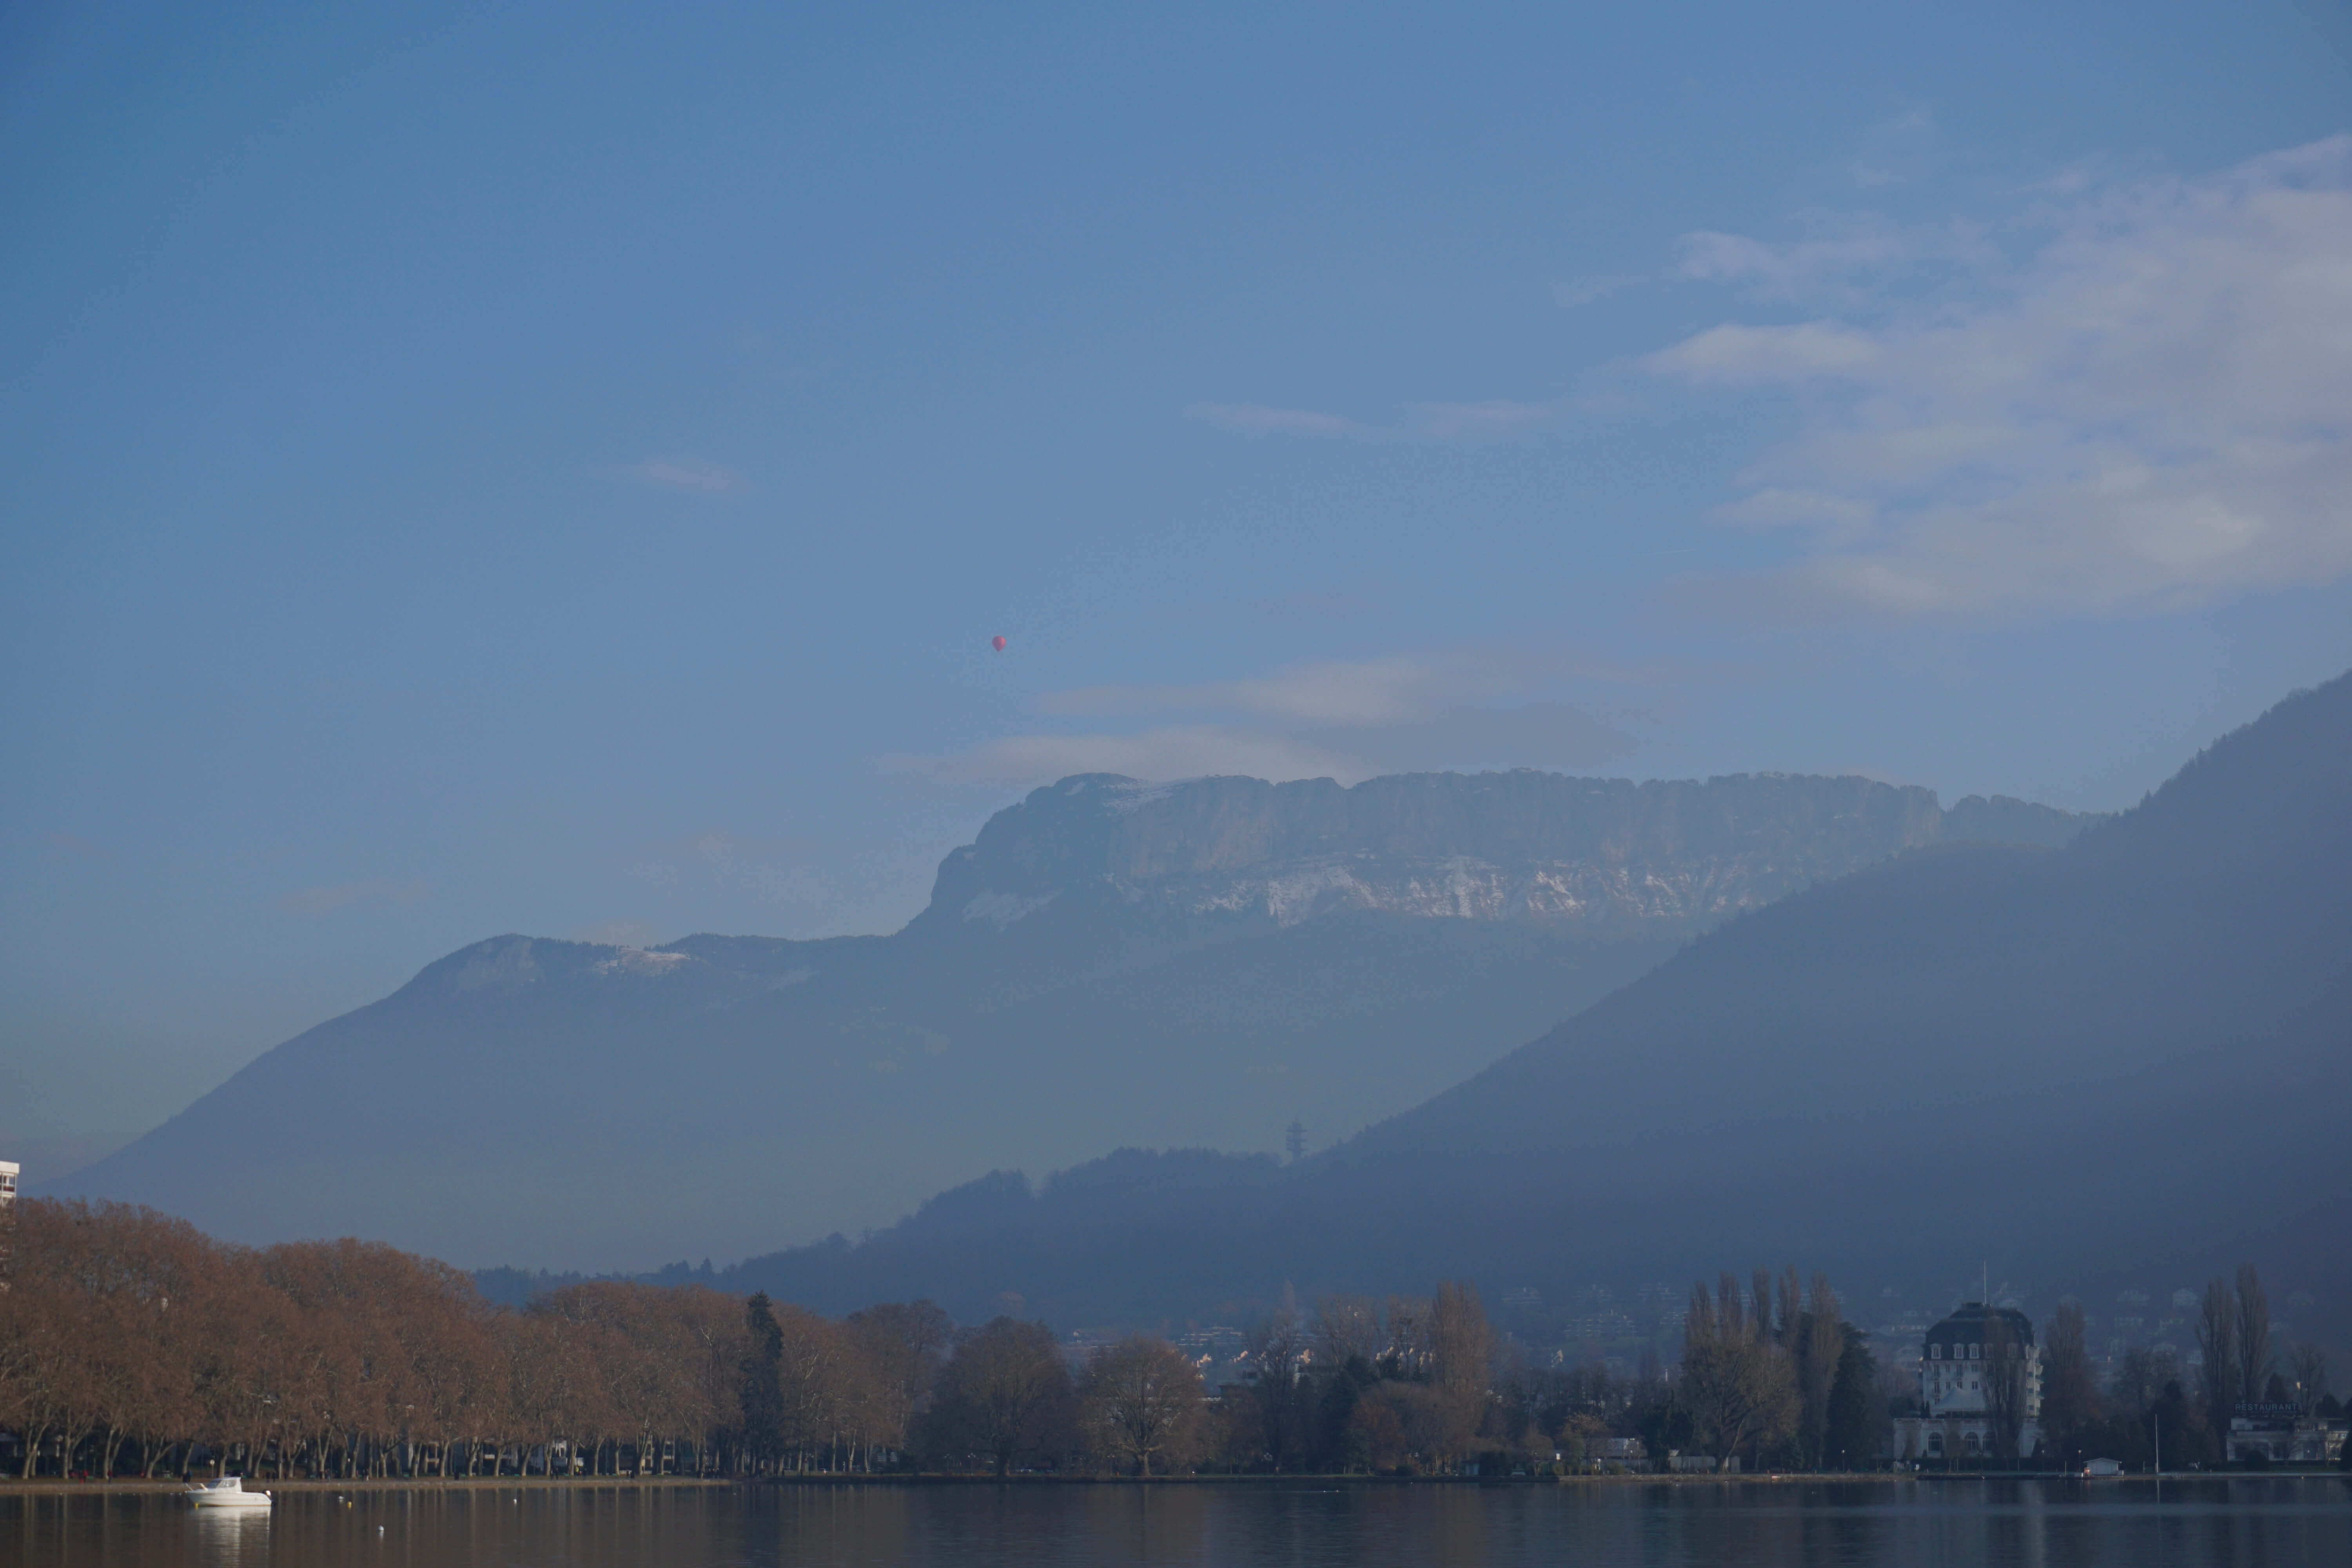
{"x": 2292, "y": 1522}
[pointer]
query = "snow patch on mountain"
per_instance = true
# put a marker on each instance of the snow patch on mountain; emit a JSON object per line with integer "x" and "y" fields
{"x": 642, "y": 960}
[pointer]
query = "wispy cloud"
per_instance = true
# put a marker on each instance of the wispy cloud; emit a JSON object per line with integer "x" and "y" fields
{"x": 1735, "y": 355}
{"x": 690, "y": 475}
{"x": 2142, "y": 399}
{"x": 1337, "y": 719}
{"x": 1844, "y": 256}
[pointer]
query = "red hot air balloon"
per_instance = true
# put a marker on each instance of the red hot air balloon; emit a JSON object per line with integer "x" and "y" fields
{"x": 997, "y": 643}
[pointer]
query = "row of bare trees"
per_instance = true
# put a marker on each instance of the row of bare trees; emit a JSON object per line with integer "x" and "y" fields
{"x": 130, "y": 1341}
{"x": 132, "y": 1345}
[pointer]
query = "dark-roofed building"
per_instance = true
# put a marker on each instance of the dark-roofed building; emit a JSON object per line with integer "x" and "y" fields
{"x": 1962, "y": 1360}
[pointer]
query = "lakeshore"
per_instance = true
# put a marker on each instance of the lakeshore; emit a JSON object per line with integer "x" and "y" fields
{"x": 1630, "y": 1522}
{"x": 49, "y": 1486}
{"x": 120, "y": 1485}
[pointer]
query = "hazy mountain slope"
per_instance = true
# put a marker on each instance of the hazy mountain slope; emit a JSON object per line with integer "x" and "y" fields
{"x": 2126, "y": 1059}
{"x": 1109, "y": 963}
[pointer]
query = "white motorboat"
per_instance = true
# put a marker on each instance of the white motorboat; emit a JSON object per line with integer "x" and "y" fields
{"x": 227, "y": 1493}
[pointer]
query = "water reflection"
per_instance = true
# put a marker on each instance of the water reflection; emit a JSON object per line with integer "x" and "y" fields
{"x": 2243, "y": 1523}
{"x": 228, "y": 1536}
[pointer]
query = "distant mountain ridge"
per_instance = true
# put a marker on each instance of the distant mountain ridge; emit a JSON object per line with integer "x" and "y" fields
{"x": 2128, "y": 1062}
{"x": 1109, "y": 962}
{"x": 1521, "y": 845}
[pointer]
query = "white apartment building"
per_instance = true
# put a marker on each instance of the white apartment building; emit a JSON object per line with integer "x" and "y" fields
{"x": 1957, "y": 1423}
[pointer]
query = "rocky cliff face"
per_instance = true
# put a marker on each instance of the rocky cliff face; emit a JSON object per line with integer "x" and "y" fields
{"x": 1599, "y": 853}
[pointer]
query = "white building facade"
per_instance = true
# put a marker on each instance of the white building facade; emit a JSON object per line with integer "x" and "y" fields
{"x": 8, "y": 1173}
{"x": 1961, "y": 1362}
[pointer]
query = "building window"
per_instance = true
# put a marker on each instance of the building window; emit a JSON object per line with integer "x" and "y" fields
{"x": 1936, "y": 1352}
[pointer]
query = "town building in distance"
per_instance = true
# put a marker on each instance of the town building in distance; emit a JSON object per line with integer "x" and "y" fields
{"x": 2282, "y": 1434}
{"x": 1973, "y": 1362}
{"x": 9, "y": 1170}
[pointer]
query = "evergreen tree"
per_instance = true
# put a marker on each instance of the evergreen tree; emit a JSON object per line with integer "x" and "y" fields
{"x": 760, "y": 1390}
{"x": 1851, "y": 1439}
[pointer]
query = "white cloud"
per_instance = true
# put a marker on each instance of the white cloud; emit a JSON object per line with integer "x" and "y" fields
{"x": 2145, "y": 401}
{"x": 690, "y": 475}
{"x": 1736, "y": 357}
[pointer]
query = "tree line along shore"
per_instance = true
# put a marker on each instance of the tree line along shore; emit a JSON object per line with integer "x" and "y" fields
{"x": 133, "y": 1346}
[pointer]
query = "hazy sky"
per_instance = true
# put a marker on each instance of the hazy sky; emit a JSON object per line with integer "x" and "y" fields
{"x": 558, "y": 468}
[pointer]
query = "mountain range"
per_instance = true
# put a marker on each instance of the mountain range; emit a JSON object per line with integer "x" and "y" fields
{"x": 2121, "y": 1060}
{"x": 1109, "y": 963}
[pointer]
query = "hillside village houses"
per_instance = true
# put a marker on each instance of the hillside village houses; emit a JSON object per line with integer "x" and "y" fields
{"x": 1956, "y": 1419}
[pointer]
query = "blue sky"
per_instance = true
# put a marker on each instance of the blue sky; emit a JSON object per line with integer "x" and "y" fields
{"x": 558, "y": 468}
